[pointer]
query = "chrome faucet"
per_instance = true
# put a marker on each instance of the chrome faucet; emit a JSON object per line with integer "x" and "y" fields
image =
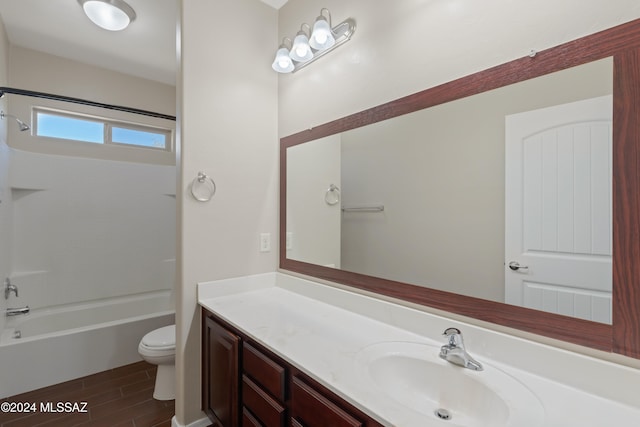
{"x": 17, "y": 311}
{"x": 454, "y": 351}
{"x": 8, "y": 288}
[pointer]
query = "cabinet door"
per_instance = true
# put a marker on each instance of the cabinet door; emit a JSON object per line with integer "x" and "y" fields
{"x": 220, "y": 374}
{"x": 311, "y": 409}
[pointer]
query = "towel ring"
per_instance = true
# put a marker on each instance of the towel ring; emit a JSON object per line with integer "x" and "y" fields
{"x": 332, "y": 196}
{"x": 203, "y": 187}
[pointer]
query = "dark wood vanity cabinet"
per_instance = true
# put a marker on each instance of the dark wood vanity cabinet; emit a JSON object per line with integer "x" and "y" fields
{"x": 244, "y": 384}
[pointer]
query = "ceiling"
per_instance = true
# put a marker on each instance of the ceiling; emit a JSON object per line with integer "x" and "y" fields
{"x": 145, "y": 49}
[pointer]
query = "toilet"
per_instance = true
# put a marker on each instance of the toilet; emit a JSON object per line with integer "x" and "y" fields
{"x": 158, "y": 347}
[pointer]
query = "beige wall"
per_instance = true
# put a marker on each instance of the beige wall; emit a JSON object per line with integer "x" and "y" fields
{"x": 41, "y": 72}
{"x": 228, "y": 119}
{"x": 33, "y": 70}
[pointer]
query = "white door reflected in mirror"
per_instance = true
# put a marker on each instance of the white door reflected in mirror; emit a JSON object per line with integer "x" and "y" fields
{"x": 558, "y": 209}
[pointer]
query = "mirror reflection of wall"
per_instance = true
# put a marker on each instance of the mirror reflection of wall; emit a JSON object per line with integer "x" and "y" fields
{"x": 439, "y": 173}
{"x": 313, "y": 226}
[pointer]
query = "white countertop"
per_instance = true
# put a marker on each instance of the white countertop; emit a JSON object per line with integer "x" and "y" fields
{"x": 322, "y": 330}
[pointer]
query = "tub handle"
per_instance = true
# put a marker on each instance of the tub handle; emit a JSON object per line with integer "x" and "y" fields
{"x": 8, "y": 288}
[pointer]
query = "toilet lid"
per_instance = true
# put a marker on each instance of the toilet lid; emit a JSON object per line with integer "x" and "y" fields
{"x": 162, "y": 337}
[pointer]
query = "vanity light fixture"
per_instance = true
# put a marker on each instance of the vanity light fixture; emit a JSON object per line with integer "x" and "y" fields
{"x": 305, "y": 49}
{"x": 112, "y": 15}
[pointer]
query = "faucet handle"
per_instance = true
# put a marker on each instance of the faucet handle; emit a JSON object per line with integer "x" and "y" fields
{"x": 451, "y": 331}
{"x": 454, "y": 336}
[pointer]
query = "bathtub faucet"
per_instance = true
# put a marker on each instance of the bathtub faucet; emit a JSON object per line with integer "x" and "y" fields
{"x": 17, "y": 311}
{"x": 8, "y": 288}
{"x": 454, "y": 351}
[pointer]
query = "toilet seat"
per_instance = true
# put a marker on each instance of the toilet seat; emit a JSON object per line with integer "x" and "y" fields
{"x": 160, "y": 340}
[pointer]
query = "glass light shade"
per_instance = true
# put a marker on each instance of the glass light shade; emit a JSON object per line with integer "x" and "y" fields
{"x": 301, "y": 51}
{"x": 282, "y": 63}
{"x": 112, "y": 15}
{"x": 322, "y": 37}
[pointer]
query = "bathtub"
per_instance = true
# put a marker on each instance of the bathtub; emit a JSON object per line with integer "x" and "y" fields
{"x": 53, "y": 345}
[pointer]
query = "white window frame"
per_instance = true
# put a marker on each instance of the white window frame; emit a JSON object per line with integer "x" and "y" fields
{"x": 109, "y": 124}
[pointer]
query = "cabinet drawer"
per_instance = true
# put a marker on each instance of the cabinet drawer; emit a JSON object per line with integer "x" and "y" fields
{"x": 264, "y": 371}
{"x": 312, "y": 409}
{"x": 265, "y": 408}
{"x": 249, "y": 420}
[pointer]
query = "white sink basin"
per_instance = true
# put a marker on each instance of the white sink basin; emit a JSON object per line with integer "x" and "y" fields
{"x": 416, "y": 379}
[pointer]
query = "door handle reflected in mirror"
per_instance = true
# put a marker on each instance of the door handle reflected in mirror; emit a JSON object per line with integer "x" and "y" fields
{"x": 515, "y": 266}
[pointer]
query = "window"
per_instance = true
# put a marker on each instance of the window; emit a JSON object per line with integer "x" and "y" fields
{"x": 142, "y": 138}
{"x": 96, "y": 130}
{"x": 66, "y": 127}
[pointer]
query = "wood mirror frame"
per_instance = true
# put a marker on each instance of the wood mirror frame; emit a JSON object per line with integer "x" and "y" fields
{"x": 622, "y": 43}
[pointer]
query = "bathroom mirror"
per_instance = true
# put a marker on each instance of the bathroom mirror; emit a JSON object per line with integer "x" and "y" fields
{"x": 421, "y": 199}
{"x": 330, "y": 232}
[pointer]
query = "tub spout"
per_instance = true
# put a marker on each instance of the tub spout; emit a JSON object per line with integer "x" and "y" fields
{"x": 17, "y": 311}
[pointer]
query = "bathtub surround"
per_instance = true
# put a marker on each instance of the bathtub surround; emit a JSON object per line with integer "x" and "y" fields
{"x": 5, "y": 192}
{"x": 283, "y": 313}
{"x": 86, "y": 229}
{"x": 6, "y": 207}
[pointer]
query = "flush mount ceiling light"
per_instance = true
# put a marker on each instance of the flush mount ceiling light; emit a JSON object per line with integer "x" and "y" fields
{"x": 112, "y": 15}
{"x": 305, "y": 49}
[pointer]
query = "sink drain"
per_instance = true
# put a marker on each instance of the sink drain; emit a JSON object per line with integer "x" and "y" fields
{"x": 443, "y": 414}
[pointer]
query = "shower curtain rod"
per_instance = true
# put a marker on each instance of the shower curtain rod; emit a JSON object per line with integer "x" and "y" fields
{"x": 43, "y": 95}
